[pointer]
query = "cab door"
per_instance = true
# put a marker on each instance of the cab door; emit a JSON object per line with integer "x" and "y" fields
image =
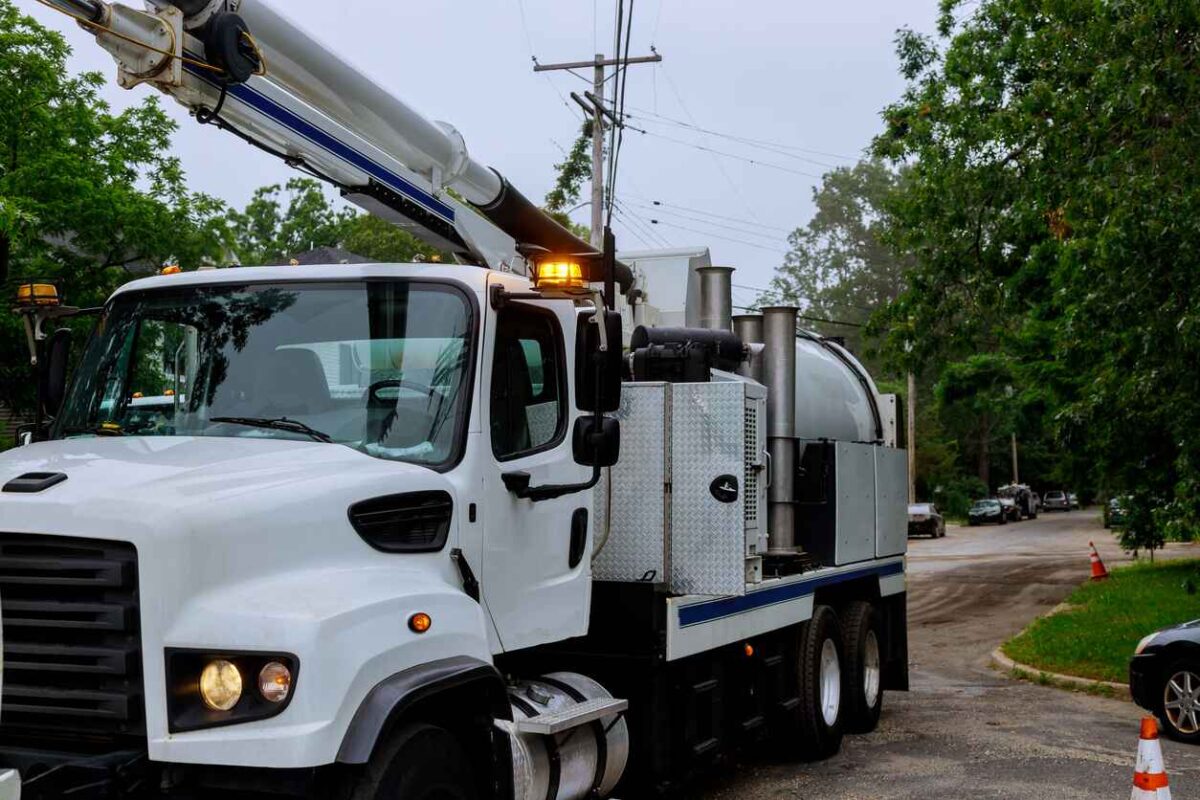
{"x": 537, "y": 556}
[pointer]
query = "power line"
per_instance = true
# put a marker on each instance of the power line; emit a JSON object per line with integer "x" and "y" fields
{"x": 646, "y": 227}
{"x": 737, "y": 190}
{"x": 725, "y": 154}
{"x": 770, "y": 237}
{"x": 779, "y": 251}
{"x": 808, "y": 300}
{"x": 811, "y": 319}
{"x": 533, "y": 58}
{"x": 666, "y": 208}
{"x": 745, "y": 139}
{"x": 746, "y": 142}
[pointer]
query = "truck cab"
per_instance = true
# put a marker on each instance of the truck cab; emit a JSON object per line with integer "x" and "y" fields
{"x": 332, "y": 469}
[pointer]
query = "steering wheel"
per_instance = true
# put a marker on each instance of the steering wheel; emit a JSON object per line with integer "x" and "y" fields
{"x": 375, "y": 401}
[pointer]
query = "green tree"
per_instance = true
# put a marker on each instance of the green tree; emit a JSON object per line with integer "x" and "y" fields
{"x": 571, "y": 173}
{"x": 379, "y": 240}
{"x": 282, "y": 221}
{"x": 86, "y": 195}
{"x": 1050, "y": 205}
{"x": 840, "y": 266}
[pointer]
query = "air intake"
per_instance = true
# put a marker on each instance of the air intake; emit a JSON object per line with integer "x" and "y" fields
{"x": 72, "y": 648}
{"x": 417, "y": 522}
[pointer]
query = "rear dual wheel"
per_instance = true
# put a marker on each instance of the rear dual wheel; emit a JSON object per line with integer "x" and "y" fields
{"x": 840, "y": 680}
{"x": 864, "y": 666}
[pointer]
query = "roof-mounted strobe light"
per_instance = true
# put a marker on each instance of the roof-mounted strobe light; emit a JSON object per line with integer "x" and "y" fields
{"x": 30, "y": 295}
{"x": 559, "y": 275}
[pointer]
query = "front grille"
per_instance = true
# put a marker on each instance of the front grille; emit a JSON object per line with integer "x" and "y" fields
{"x": 72, "y": 644}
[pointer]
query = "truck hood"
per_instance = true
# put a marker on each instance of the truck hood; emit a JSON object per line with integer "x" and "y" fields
{"x": 173, "y": 470}
{"x": 211, "y": 513}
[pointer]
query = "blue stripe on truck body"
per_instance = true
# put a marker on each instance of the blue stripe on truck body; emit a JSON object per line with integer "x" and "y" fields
{"x": 335, "y": 147}
{"x": 712, "y": 610}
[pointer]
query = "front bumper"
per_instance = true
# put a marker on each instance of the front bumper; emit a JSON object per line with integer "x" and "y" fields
{"x": 10, "y": 784}
{"x": 1143, "y": 681}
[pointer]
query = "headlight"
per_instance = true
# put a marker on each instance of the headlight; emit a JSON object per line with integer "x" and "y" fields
{"x": 1144, "y": 643}
{"x": 208, "y": 689}
{"x": 220, "y": 685}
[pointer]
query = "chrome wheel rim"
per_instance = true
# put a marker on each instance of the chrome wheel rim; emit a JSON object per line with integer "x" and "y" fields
{"x": 831, "y": 683}
{"x": 1181, "y": 702}
{"x": 871, "y": 670}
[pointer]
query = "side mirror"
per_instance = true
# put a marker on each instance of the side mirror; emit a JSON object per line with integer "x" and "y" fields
{"x": 597, "y": 442}
{"x": 54, "y": 377}
{"x": 598, "y": 374}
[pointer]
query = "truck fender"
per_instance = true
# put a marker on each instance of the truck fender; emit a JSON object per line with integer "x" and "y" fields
{"x": 392, "y": 697}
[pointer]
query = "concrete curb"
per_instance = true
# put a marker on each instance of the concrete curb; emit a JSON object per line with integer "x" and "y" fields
{"x": 1006, "y": 664}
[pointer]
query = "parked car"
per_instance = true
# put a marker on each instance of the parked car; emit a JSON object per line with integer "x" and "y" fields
{"x": 924, "y": 520}
{"x": 984, "y": 511}
{"x": 1023, "y": 496}
{"x": 1073, "y": 499}
{"x": 1114, "y": 513}
{"x": 1012, "y": 511}
{"x": 1056, "y": 501}
{"x": 1164, "y": 678}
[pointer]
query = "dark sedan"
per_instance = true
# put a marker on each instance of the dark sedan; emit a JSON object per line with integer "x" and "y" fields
{"x": 1164, "y": 677}
{"x": 984, "y": 511}
{"x": 924, "y": 520}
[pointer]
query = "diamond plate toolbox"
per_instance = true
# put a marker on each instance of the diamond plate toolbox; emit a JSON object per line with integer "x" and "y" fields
{"x": 635, "y": 491}
{"x": 682, "y": 446}
{"x": 707, "y": 536}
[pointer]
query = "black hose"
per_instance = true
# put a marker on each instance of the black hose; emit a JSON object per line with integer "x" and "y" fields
{"x": 90, "y": 9}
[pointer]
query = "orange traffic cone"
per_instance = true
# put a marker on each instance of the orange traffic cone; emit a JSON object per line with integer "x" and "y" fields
{"x": 1150, "y": 775}
{"x": 1099, "y": 573}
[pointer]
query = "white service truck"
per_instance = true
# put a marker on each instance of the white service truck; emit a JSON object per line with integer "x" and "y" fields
{"x": 429, "y": 531}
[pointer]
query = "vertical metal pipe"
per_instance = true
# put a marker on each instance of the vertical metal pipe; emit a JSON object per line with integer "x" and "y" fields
{"x": 779, "y": 368}
{"x": 779, "y": 372}
{"x": 749, "y": 328}
{"x": 716, "y": 298}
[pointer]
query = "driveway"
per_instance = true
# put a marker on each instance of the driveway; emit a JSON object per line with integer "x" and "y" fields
{"x": 965, "y": 729}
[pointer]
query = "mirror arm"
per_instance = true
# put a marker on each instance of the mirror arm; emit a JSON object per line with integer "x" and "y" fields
{"x": 518, "y": 484}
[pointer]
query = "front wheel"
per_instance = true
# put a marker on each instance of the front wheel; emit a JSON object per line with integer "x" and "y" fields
{"x": 864, "y": 667}
{"x": 417, "y": 762}
{"x": 1179, "y": 708}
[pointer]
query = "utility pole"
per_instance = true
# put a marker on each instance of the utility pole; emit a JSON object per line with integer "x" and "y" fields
{"x": 911, "y": 438}
{"x": 594, "y": 105}
{"x": 1016, "y": 471}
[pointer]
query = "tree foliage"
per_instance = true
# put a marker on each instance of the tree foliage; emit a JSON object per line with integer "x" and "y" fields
{"x": 571, "y": 173}
{"x": 1051, "y": 210}
{"x": 86, "y": 195}
{"x": 840, "y": 266}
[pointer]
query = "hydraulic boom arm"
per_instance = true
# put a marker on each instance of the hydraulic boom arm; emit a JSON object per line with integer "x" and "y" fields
{"x": 245, "y": 67}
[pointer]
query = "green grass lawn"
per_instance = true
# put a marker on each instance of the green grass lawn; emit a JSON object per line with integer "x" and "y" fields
{"x": 1096, "y": 638}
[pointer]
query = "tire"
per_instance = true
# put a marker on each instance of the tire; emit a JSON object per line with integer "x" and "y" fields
{"x": 417, "y": 762}
{"x": 1181, "y": 723}
{"x": 862, "y": 644}
{"x": 821, "y": 714}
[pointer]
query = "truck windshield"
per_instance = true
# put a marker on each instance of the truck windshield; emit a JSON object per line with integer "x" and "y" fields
{"x": 382, "y": 367}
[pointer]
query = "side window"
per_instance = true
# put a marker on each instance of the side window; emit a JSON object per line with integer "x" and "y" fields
{"x": 528, "y": 406}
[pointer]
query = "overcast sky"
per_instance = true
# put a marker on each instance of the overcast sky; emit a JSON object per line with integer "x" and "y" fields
{"x": 808, "y": 78}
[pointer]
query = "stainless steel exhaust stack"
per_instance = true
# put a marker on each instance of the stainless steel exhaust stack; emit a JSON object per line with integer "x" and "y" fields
{"x": 749, "y": 328}
{"x": 716, "y": 298}
{"x": 779, "y": 371}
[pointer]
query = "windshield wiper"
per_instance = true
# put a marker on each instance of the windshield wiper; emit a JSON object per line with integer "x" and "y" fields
{"x": 281, "y": 424}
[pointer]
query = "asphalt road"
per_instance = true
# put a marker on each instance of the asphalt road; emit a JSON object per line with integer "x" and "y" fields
{"x": 966, "y": 729}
